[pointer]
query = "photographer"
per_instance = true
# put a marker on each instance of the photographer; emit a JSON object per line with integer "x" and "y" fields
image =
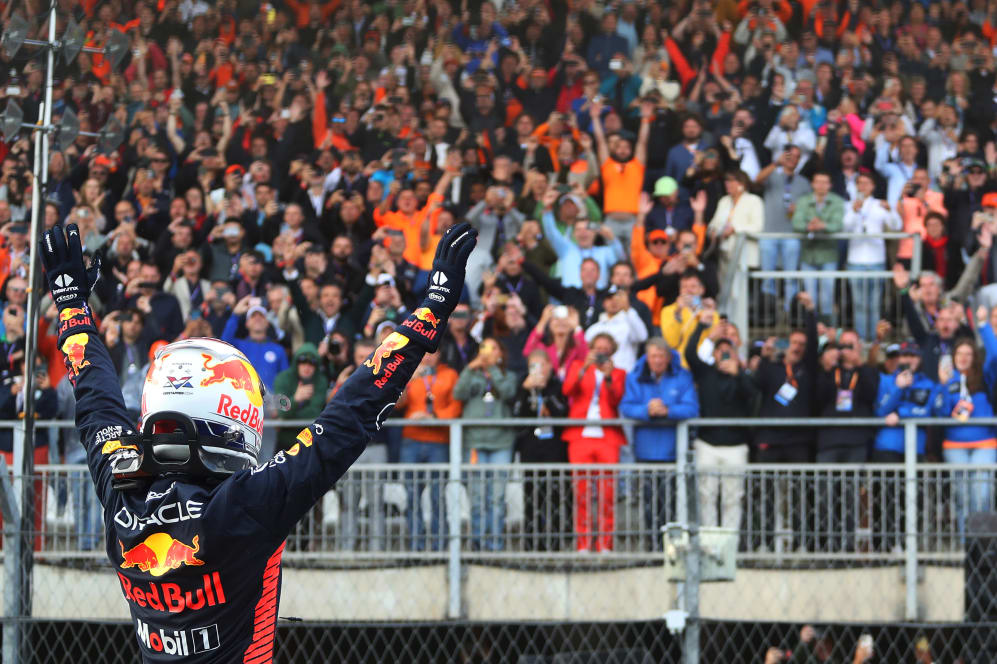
{"x": 904, "y": 393}
{"x": 305, "y": 387}
{"x": 547, "y": 500}
{"x": 185, "y": 283}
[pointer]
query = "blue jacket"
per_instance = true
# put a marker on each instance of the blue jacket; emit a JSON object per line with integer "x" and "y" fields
{"x": 267, "y": 357}
{"x": 923, "y": 398}
{"x": 967, "y": 433}
{"x": 676, "y": 389}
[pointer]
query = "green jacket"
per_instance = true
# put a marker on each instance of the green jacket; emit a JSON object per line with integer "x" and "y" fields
{"x": 819, "y": 251}
{"x": 286, "y": 384}
{"x": 471, "y": 388}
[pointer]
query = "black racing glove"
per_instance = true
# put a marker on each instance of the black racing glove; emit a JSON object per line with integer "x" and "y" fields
{"x": 446, "y": 282}
{"x": 69, "y": 279}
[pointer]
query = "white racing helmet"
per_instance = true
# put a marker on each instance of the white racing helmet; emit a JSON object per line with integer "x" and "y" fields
{"x": 202, "y": 413}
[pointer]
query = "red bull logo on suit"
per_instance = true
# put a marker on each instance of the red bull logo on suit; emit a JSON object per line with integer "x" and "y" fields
{"x": 159, "y": 553}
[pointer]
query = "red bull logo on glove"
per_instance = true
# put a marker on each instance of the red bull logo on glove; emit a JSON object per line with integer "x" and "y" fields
{"x": 240, "y": 374}
{"x": 159, "y": 553}
{"x": 71, "y": 312}
{"x": 391, "y": 344}
{"x": 423, "y": 322}
{"x": 75, "y": 349}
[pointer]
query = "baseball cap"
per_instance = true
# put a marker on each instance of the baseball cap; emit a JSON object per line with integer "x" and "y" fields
{"x": 910, "y": 347}
{"x": 231, "y": 85}
{"x": 384, "y": 325}
{"x": 989, "y": 200}
{"x": 101, "y": 160}
{"x": 385, "y": 279}
{"x": 657, "y": 234}
{"x": 256, "y": 309}
{"x": 892, "y": 350}
{"x": 235, "y": 168}
{"x": 665, "y": 186}
{"x": 574, "y": 199}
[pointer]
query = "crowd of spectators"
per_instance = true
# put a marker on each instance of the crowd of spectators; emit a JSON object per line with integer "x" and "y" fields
{"x": 288, "y": 167}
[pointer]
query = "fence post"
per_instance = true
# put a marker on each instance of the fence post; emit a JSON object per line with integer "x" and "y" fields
{"x": 12, "y": 623}
{"x": 690, "y": 646}
{"x": 453, "y": 521}
{"x": 910, "y": 520}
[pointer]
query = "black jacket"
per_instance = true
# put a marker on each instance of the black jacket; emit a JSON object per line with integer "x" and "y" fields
{"x": 554, "y": 404}
{"x": 832, "y": 401}
{"x": 588, "y": 306}
{"x": 720, "y": 395}
{"x": 770, "y": 378}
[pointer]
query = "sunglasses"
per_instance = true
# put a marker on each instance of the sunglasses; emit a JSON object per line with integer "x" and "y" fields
{"x": 659, "y": 241}
{"x": 161, "y": 160}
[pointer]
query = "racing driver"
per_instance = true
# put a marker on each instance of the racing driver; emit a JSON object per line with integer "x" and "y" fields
{"x": 195, "y": 524}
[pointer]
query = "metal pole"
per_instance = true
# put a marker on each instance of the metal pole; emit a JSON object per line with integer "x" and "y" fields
{"x": 681, "y": 504}
{"x": 915, "y": 257}
{"x": 910, "y": 519}
{"x": 690, "y": 647}
{"x": 453, "y": 521}
{"x": 11, "y": 567}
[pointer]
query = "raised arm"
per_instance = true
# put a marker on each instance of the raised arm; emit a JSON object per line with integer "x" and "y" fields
{"x": 277, "y": 494}
{"x": 100, "y": 409}
{"x": 602, "y": 148}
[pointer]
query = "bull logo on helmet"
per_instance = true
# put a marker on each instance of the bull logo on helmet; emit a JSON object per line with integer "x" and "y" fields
{"x": 238, "y": 372}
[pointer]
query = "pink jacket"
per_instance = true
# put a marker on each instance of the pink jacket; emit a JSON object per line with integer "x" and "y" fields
{"x": 577, "y": 352}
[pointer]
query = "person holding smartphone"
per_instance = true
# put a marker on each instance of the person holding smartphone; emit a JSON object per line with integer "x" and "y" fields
{"x": 906, "y": 392}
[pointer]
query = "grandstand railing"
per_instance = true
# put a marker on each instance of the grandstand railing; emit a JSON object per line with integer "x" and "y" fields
{"x": 741, "y": 290}
{"x": 908, "y": 516}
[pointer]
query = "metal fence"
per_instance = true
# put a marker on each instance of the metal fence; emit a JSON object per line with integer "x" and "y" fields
{"x": 761, "y": 301}
{"x": 901, "y": 551}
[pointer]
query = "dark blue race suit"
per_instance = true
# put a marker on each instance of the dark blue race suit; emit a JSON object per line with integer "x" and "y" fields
{"x": 200, "y": 564}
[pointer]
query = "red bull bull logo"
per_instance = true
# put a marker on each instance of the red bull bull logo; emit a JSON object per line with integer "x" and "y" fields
{"x": 239, "y": 373}
{"x": 71, "y": 312}
{"x": 75, "y": 349}
{"x": 423, "y": 322}
{"x": 159, "y": 553}
{"x": 392, "y": 343}
{"x": 305, "y": 437}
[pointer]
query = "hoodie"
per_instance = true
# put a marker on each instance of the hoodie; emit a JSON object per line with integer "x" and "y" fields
{"x": 286, "y": 383}
{"x": 656, "y": 442}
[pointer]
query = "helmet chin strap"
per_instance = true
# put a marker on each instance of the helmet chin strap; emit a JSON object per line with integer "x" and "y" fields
{"x": 158, "y": 454}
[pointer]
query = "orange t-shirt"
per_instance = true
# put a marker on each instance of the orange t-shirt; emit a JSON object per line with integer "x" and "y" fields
{"x": 621, "y": 185}
{"x": 445, "y": 407}
{"x": 409, "y": 225}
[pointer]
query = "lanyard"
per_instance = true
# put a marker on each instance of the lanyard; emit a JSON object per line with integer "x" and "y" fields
{"x": 837, "y": 379}
{"x": 789, "y": 376}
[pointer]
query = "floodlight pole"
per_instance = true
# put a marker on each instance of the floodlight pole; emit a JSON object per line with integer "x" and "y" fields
{"x": 26, "y": 442}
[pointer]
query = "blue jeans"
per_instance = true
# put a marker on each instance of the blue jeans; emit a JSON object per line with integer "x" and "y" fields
{"x": 780, "y": 254}
{"x": 487, "y": 493}
{"x": 824, "y": 300}
{"x": 415, "y": 451}
{"x": 867, "y": 298}
{"x": 88, "y": 512}
{"x": 970, "y": 489}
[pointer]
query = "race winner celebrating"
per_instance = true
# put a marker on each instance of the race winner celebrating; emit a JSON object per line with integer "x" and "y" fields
{"x": 195, "y": 525}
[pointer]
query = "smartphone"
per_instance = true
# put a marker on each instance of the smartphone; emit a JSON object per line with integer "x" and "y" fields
{"x": 615, "y": 65}
{"x": 563, "y": 188}
{"x": 255, "y": 301}
{"x": 601, "y": 358}
{"x": 696, "y": 301}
